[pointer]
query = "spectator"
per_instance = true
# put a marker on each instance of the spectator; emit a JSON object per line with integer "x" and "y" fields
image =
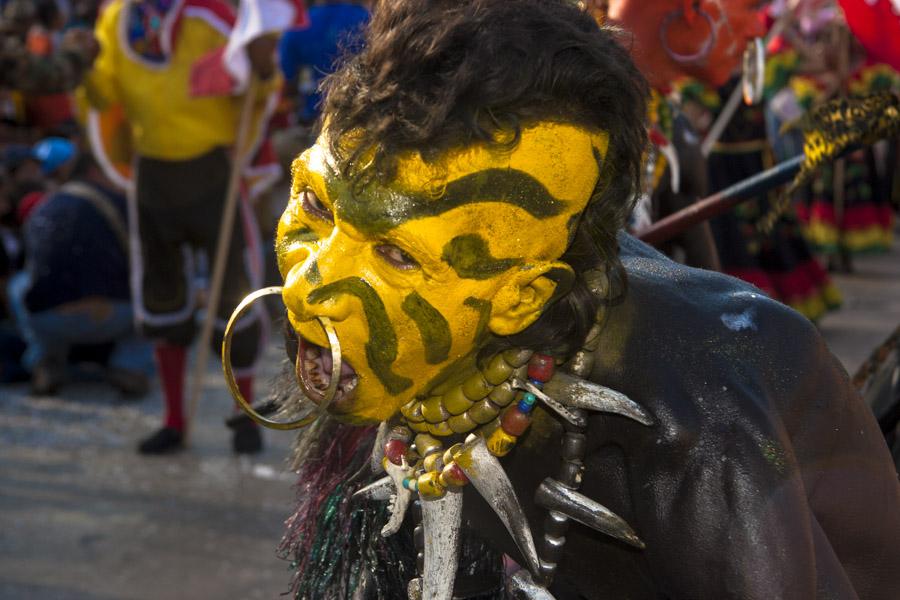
{"x": 30, "y": 61}
{"x": 11, "y": 344}
{"x": 307, "y": 55}
{"x": 73, "y": 289}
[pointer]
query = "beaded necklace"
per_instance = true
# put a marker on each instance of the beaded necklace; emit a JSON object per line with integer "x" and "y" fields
{"x": 434, "y": 469}
{"x": 494, "y": 406}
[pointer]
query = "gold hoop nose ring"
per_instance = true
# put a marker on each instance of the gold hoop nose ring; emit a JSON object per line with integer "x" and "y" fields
{"x": 330, "y": 392}
{"x": 337, "y": 360}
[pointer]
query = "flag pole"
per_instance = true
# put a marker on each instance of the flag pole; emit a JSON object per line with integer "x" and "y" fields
{"x": 226, "y": 228}
{"x": 702, "y": 210}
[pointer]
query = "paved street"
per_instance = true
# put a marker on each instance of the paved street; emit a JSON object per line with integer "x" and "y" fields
{"x": 871, "y": 309}
{"x": 82, "y": 517}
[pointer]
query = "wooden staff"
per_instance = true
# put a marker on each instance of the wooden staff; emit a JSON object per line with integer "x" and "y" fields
{"x": 218, "y": 273}
{"x": 707, "y": 208}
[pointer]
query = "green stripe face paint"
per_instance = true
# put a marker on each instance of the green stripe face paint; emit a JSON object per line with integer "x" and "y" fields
{"x": 312, "y": 273}
{"x": 471, "y": 258}
{"x": 377, "y": 210}
{"x": 418, "y": 273}
{"x": 484, "y": 313}
{"x": 381, "y": 349}
{"x": 432, "y": 325}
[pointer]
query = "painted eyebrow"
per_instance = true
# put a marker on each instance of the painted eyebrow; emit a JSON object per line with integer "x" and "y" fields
{"x": 470, "y": 256}
{"x": 377, "y": 210}
{"x": 511, "y": 186}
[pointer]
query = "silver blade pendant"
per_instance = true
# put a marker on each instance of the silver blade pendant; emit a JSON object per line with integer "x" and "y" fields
{"x": 441, "y": 521}
{"x": 378, "y": 448}
{"x": 488, "y": 477}
{"x": 521, "y": 585}
{"x": 382, "y": 489}
{"x": 580, "y": 393}
{"x": 575, "y": 419}
{"x": 400, "y": 499}
{"x": 554, "y": 496}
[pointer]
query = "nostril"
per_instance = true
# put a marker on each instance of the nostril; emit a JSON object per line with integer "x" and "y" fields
{"x": 294, "y": 255}
{"x": 296, "y": 287}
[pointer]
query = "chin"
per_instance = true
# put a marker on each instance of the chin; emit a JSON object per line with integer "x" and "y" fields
{"x": 358, "y": 406}
{"x": 352, "y": 417}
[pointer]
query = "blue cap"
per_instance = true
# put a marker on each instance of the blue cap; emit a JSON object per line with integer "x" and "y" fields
{"x": 53, "y": 152}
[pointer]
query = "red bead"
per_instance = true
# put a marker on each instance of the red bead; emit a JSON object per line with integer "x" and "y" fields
{"x": 540, "y": 367}
{"x": 395, "y": 450}
{"x": 514, "y": 422}
{"x": 453, "y": 476}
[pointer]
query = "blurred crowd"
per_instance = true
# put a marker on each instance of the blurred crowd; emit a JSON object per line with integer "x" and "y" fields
{"x": 86, "y": 271}
{"x": 63, "y": 265}
{"x": 89, "y": 117}
{"x": 848, "y": 209}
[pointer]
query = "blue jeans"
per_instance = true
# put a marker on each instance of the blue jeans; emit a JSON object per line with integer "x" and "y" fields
{"x": 49, "y": 334}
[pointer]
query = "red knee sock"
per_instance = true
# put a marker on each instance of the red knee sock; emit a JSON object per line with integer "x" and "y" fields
{"x": 170, "y": 362}
{"x": 245, "y": 384}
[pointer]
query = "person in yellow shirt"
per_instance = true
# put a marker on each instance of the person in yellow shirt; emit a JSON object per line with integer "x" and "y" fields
{"x": 149, "y": 60}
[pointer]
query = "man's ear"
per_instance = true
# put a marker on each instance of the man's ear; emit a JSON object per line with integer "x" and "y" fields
{"x": 520, "y": 302}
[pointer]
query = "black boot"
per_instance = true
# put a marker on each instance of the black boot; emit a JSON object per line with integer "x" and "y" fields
{"x": 164, "y": 441}
{"x": 246, "y": 439}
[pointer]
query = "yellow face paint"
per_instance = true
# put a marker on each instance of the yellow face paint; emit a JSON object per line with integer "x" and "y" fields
{"x": 416, "y": 274}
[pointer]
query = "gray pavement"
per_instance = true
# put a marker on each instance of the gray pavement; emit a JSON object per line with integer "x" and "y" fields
{"x": 871, "y": 309}
{"x": 82, "y": 517}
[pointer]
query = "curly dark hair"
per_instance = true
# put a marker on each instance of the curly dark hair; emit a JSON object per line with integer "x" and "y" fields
{"x": 440, "y": 74}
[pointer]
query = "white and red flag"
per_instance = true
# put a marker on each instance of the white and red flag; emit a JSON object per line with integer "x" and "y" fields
{"x": 257, "y": 18}
{"x": 876, "y": 24}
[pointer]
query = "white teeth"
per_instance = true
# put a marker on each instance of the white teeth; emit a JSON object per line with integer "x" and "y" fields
{"x": 316, "y": 380}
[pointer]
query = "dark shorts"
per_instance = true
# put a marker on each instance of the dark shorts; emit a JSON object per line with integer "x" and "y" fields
{"x": 175, "y": 212}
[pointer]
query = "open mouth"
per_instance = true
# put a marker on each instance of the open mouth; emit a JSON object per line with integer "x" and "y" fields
{"x": 313, "y": 366}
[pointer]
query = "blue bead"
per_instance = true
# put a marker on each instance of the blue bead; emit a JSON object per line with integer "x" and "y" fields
{"x": 525, "y": 407}
{"x": 538, "y": 384}
{"x": 529, "y": 398}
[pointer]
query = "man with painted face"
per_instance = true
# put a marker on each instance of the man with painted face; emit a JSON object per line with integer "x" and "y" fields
{"x": 545, "y": 386}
